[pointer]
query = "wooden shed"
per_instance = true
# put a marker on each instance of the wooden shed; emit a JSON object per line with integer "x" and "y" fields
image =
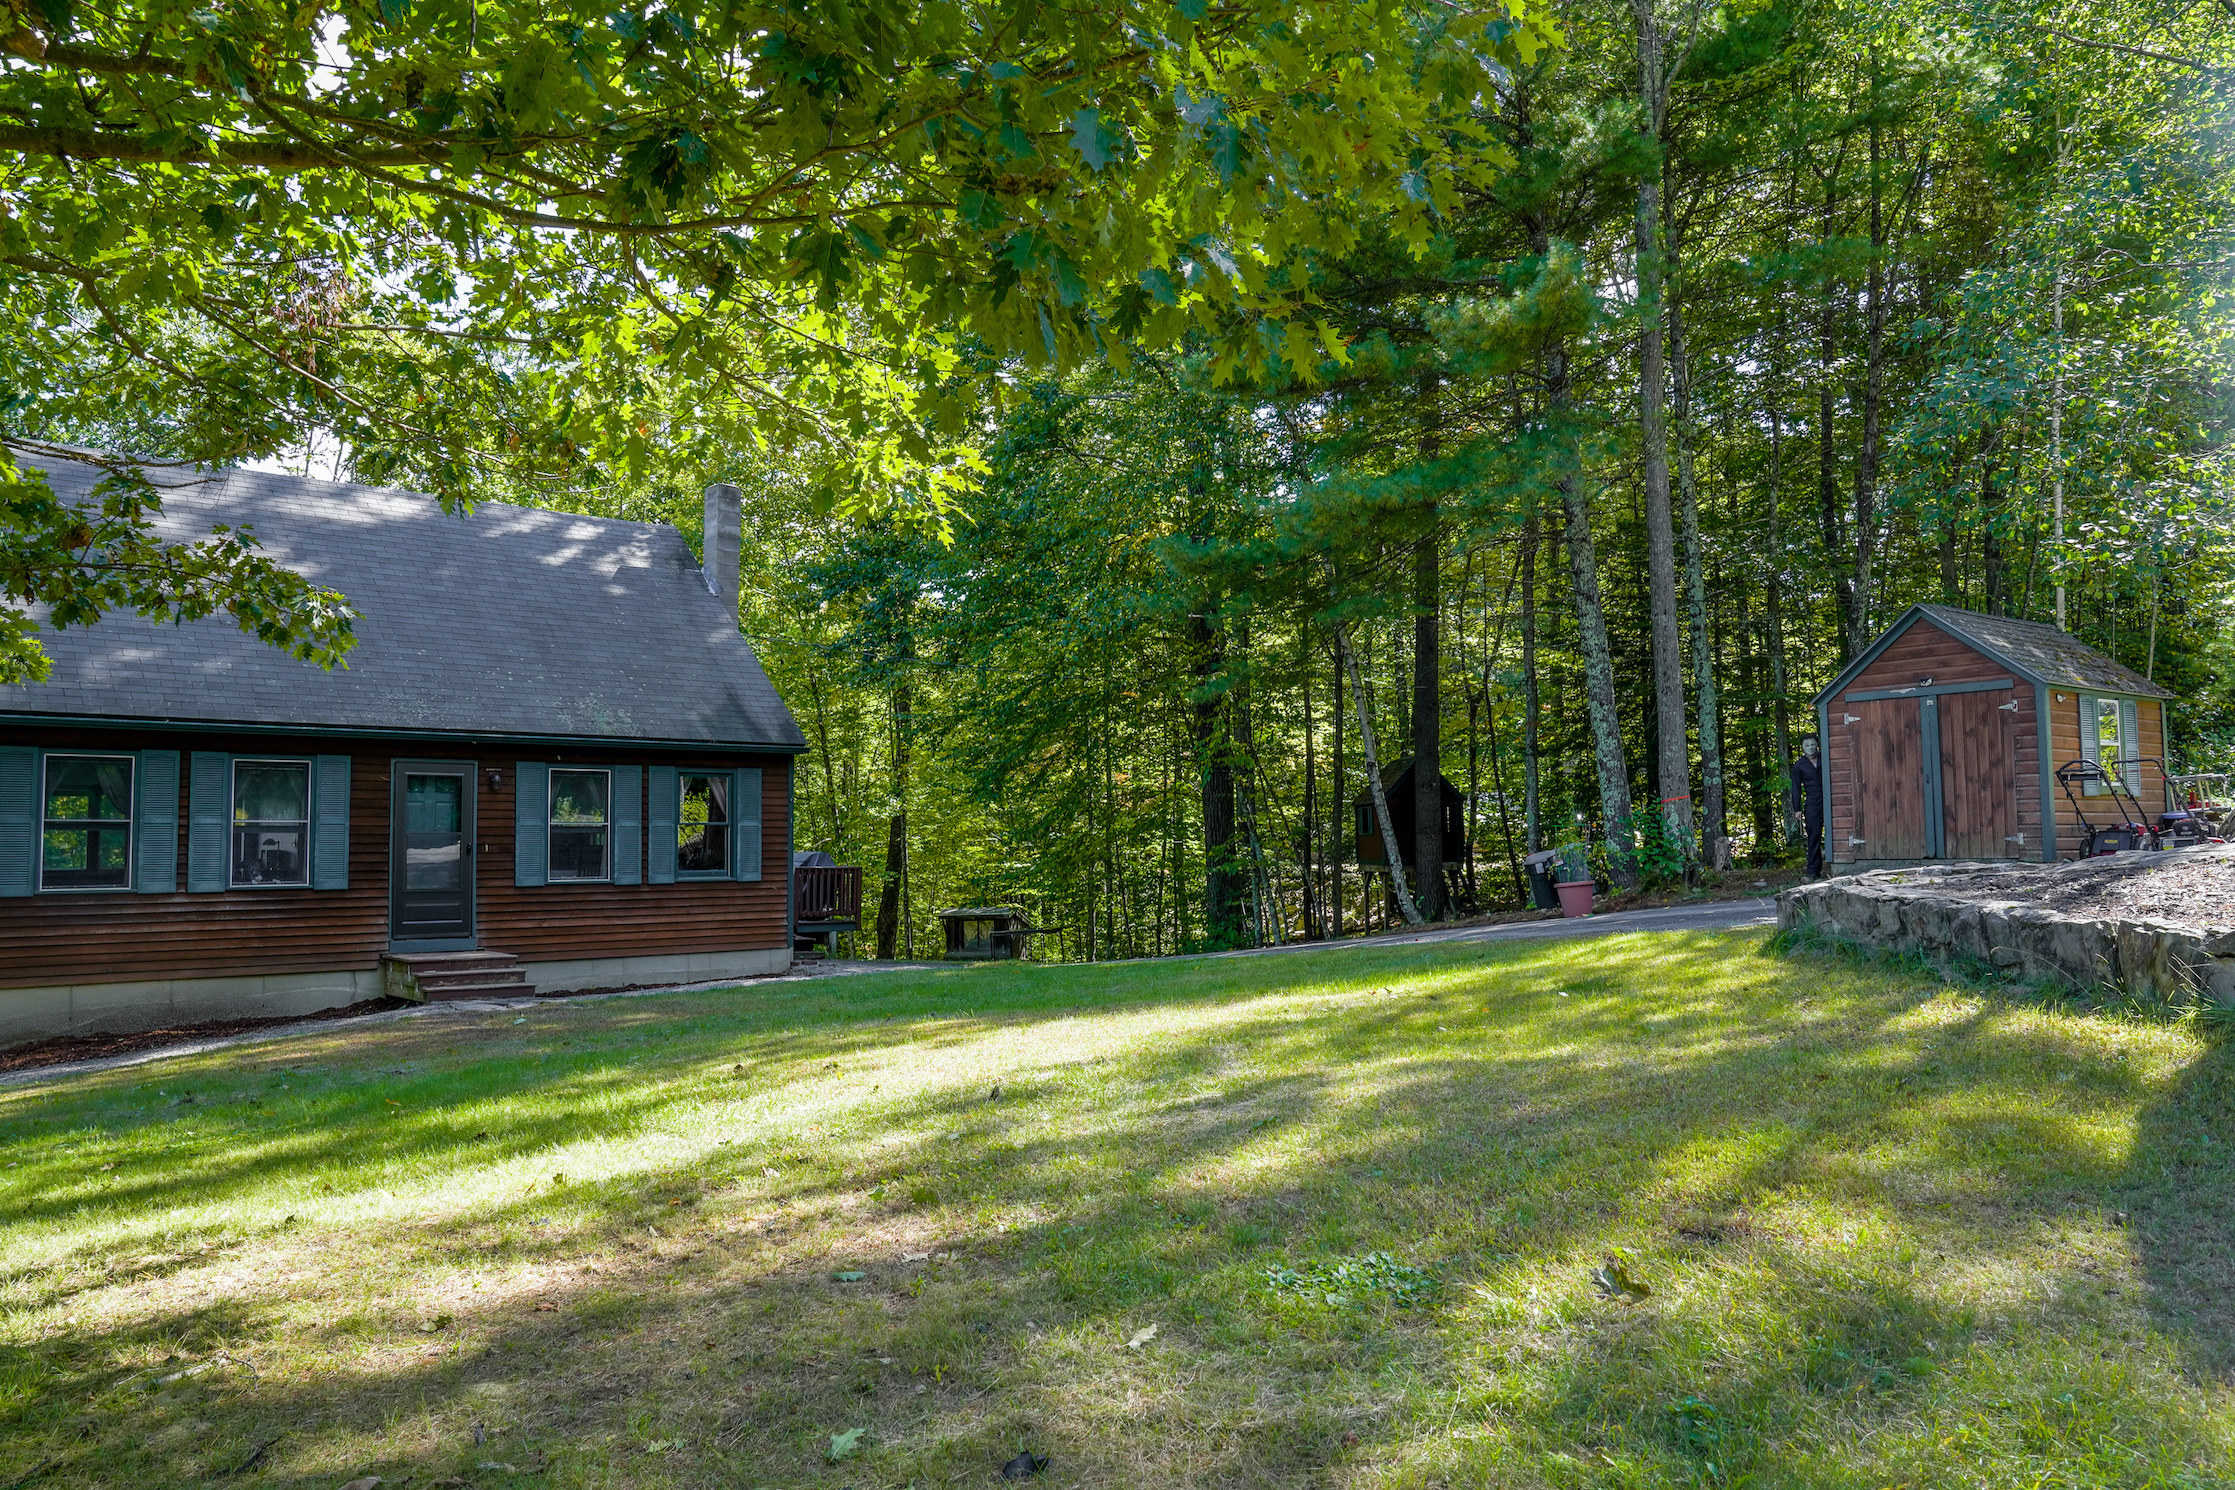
{"x": 1943, "y": 739}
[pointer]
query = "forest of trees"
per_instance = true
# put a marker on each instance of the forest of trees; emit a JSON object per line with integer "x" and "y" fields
{"x": 1685, "y": 348}
{"x": 1914, "y": 283}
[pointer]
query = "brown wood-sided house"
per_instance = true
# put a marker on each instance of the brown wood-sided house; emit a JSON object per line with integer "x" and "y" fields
{"x": 551, "y": 763}
{"x": 1943, "y": 739}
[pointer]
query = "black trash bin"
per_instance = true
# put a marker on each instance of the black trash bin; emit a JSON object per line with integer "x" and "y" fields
{"x": 1539, "y": 868}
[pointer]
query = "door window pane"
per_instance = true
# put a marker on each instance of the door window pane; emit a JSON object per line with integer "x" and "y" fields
{"x": 579, "y": 824}
{"x": 702, "y": 826}
{"x": 271, "y": 823}
{"x": 87, "y": 842}
{"x": 434, "y": 832}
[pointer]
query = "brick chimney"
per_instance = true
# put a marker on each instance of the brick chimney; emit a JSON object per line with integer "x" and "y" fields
{"x": 724, "y": 521}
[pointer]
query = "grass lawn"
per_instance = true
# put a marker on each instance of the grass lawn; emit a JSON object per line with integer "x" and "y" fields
{"x": 1324, "y": 1219}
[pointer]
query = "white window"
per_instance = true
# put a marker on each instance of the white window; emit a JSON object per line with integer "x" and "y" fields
{"x": 2111, "y": 736}
{"x": 271, "y": 823}
{"x": 86, "y": 829}
{"x": 581, "y": 825}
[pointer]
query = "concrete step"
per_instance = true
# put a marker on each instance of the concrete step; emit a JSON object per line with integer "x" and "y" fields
{"x": 454, "y": 992}
{"x": 448, "y": 976}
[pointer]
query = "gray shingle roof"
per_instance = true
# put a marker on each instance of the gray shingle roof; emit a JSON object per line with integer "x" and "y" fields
{"x": 512, "y": 621}
{"x": 2051, "y": 655}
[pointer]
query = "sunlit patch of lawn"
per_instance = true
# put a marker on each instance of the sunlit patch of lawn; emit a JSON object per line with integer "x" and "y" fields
{"x": 1889, "y": 1232}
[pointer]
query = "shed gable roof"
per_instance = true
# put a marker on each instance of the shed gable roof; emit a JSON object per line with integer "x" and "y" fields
{"x": 2038, "y": 652}
{"x": 2052, "y": 656}
{"x": 509, "y": 621}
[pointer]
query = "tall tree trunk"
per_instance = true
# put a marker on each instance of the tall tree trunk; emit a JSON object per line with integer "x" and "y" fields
{"x": 1339, "y": 814}
{"x": 1427, "y": 681}
{"x": 1590, "y": 623}
{"x": 1242, "y": 753}
{"x": 896, "y": 830}
{"x": 1874, "y": 384}
{"x": 1714, "y": 839}
{"x": 1222, "y": 890}
{"x": 1531, "y": 705}
{"x": 1773, "y": 604}
{"x": 1313, "y": 927}
{"x": 1827, "y": 478}
{"x": 1590, "y": 611}
{"x": 1994, "y": 578}
{"x": 1373, "y": 780}
{"x": 1672, "y": 760}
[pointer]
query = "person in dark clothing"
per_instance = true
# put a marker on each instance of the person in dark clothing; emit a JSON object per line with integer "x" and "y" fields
{"x": 1806, "y": 796}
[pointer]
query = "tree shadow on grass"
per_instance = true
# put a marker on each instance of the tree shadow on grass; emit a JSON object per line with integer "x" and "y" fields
{"x": 2179, "y": 1196}
{"x": 711, "y": 1343}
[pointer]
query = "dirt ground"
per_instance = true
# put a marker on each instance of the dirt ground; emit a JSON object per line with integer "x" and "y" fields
{"x": 62, "y": 1049}
{"x": 2195, "y": 887}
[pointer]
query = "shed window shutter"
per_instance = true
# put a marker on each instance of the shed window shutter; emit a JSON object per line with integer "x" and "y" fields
{"x": 19, "y": 820}
{"x": 329, "y": 829}
{"x": 209, "y": 804}
{"x": 627, "y": 811}
{"x": 660, "y": 824}
{"x": 2130, "y": 743}
{"x": 745, "y": 811}
{"x": 2091, "y": 742}
{"x": 157, "y": 850}
{"x": 531, "y": 823}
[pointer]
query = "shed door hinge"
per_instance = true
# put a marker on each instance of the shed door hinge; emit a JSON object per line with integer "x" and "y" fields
{"x": 2016, "y": 838}
{"x": 1852, "y": 840}
{"x": 2012, "y": 706}
{"x": 1850, "y": 719}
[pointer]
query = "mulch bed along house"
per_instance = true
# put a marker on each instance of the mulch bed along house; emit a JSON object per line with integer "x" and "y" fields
{"x": 1943, "y": 739}
{"x": 551, "y": 763}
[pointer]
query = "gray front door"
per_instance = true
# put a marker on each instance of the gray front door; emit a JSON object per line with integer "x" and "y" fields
{"x": 430, "y": 875}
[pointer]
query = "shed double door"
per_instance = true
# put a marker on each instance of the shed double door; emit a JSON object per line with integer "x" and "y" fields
{"x": 1934, "y": 777}
{"x": 1978, "y": 776}
{"x": 1886, "y": 743}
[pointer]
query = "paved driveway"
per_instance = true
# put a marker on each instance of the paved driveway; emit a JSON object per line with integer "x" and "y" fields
{"x": 1719, "y": 915}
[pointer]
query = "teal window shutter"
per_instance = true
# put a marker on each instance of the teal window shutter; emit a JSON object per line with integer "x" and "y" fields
{"x": 329, "y": 828}
{"x": 660, "y": 824}
{"x": 209, "y": 805}
{"x": 2091, "y": 743}
{"x": 2130, "y": 743}
{"x": 19, "y": 820}
{"x": 745, "y": 812}
{"x": 626, "y": 814}
{"x": 531, "y": 823}
{"x": 158, "y": 824}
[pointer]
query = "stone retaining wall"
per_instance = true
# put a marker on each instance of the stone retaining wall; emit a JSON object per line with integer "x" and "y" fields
{"x": 1910, "y": 911}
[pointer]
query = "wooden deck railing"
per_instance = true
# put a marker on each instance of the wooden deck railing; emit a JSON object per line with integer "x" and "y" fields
{"x": 827, "y": 893}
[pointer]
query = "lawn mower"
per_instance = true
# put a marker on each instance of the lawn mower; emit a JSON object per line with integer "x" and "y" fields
{"x": 2128, "y": 831}
{"x": 2197, "y": 806}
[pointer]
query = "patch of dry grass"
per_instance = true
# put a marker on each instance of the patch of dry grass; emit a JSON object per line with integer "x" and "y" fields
{"x": 1894, "y": 1234}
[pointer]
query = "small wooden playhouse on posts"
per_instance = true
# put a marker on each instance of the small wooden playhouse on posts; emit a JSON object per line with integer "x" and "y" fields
{"x": 1942, "y": 741}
